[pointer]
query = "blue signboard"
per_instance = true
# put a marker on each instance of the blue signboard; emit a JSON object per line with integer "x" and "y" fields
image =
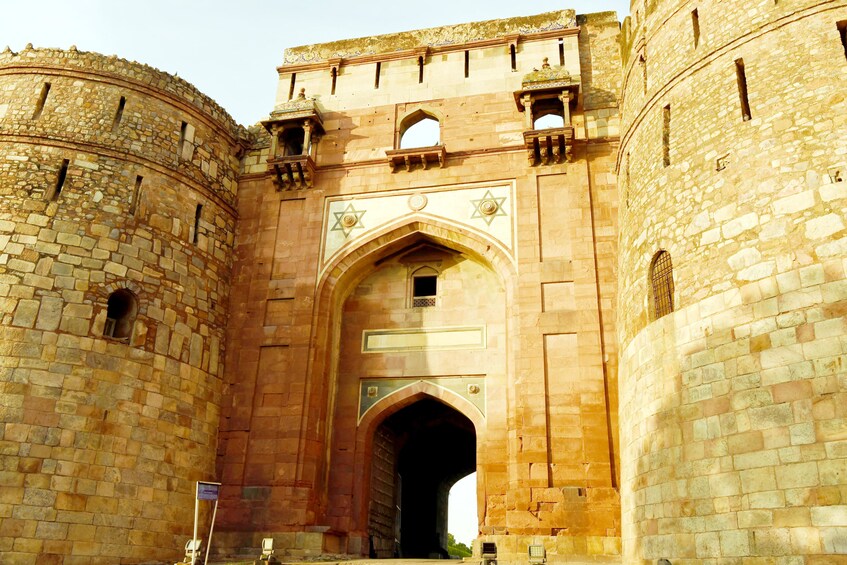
{"x": 207, "y": 491}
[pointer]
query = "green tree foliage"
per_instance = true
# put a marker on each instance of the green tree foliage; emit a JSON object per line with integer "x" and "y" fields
{"x": 457, "y": 549}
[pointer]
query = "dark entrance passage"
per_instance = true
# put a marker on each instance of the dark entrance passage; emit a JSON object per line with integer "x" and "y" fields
{"x": 419, "y": 452}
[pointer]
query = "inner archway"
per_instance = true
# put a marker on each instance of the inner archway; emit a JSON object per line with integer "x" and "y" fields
{"x": 419, "y": 453}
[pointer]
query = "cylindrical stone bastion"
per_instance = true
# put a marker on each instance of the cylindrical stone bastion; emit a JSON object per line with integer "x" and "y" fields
{"x": 117, "y": 185}
{"x": 732, "y": 283}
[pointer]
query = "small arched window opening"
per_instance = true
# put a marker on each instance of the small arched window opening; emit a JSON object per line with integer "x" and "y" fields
{"x": 549, "y": 121}
{"x": 548, "y": 112}
{"x": 420, "y": 129}
{"x": 661, "y": 285}
{"x": 292, "y": 141}
{"x": 120, "y": 314}
{"x": 424, "y": 287}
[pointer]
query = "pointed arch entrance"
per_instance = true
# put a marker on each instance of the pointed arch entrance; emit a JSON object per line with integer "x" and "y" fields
{"x": 417, "y": 455}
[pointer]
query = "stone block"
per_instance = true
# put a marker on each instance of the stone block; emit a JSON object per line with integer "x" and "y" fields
{"x": 735, "y": 543}
{"x": 772, "y": 541}
{"x": 829, "y": 516}
{"x": 794, "y": 203}
{"x": 25, "y": 313}
{"x": 824, "y": 226}
{"x": 797, "y": 475}
{"x": 49, "y": 314}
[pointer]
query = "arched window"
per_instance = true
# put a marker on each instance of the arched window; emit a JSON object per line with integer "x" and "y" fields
{"x": 549, "y": 121}
{"x": 420, "y": 129}
{"x": 661, "y": 284}
{"x": 424, "y": 287}
{"x": 120, "y": 314}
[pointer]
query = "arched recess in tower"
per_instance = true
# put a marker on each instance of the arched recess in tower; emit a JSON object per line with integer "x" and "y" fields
{"x": 747, "y": 372}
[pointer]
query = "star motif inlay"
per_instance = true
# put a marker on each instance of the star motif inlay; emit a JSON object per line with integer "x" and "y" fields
{"x": 482, "y": 207}
{"x": 348, "y": 220}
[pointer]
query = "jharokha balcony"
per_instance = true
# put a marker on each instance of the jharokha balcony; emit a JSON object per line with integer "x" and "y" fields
{"x": 408, "y": 158}
{"x": 295, "y": 127}
{"x": 548, "y": 93}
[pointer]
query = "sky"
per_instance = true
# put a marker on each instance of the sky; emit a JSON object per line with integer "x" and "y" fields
{"x": 230, "y": 49}
{"x": 461, "y": 510}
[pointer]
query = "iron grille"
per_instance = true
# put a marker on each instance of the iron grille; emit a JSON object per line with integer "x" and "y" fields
{"x": 661, "y": 278}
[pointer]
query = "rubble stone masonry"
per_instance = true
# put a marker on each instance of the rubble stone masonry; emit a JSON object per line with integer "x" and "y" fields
{"x": 104, "y": 175}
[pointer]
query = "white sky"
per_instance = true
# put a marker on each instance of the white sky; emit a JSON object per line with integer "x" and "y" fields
{"x": 461, "y": 510}
{"x": 230, "y": 50}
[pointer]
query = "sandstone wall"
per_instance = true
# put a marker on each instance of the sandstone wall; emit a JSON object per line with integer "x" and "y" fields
{"x": 732, "y": 407}
{"x": 103, "y": 438}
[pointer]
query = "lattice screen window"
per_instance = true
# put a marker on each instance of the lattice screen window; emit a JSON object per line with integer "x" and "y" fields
{"x": 661, "y": 284}
{"x": 424, "y": 288}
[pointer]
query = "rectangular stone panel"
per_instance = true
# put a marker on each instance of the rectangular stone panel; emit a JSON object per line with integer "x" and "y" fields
{"x": 558, "y": 296}
{"x": 287, "y": 238}
{"x": 413, "y": 339}
{"x": 558, "y": 212}
{"x": 273, "y": 364}
{"x": 564, "y": 422}
{"x": 278, "y": 312}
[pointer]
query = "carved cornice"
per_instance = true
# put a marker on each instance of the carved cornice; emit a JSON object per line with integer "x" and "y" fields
{"x": 557, "y": 21}
{"x": 295, "y": 110}
{"x": 415, "y": 52}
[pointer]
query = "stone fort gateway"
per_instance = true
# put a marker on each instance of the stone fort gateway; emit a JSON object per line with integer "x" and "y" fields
{"x": 601, "y": 265}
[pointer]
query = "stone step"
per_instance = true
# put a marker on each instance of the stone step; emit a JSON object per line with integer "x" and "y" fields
{"x": 252, "y": 561}
{"x": 551, "y": 559}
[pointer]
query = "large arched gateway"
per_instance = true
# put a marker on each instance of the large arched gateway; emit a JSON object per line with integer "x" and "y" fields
{"x": 421, "y": 359}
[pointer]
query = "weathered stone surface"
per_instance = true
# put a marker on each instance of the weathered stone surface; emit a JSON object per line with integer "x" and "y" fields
{"x": 49, "y": 314}
{"x": 765, "y": 433}
{"x": 241, "y": 338}
{"x": 95, "y": 467}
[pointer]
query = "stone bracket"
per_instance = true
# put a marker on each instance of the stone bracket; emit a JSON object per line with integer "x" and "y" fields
{"x": 292, "y": 172}
{"x": 548, "y": 146}
{"x": 424, "y": 156}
